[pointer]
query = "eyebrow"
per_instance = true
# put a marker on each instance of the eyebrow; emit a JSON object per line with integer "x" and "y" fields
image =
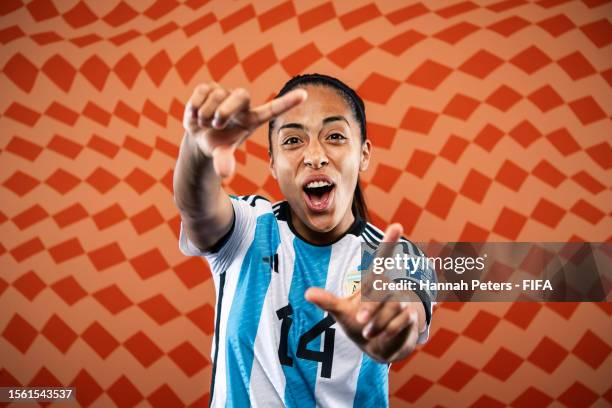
{"x": 335, "y": 118}
{"x": 325, "y": 122}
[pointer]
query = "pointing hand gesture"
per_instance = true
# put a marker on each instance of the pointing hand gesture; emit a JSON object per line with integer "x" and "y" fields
{"x": 219, "y": 120}
{"x": 387, "y": 330}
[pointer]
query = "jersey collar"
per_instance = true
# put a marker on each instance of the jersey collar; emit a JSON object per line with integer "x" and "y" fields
{"x": 284, "y": 214}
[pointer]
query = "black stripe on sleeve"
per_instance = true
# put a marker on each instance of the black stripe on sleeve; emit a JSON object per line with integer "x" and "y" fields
{"x": 374, "y": 232}
{"x": 368, "y": 241}
{"x": 217, "y": 325}
{"x": 253, "y": 203}
{"x": 366, "y": 233}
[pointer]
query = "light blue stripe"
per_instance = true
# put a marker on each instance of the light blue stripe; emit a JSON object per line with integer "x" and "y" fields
{"x": 372, "y": 384}
{"x": 310, "y": 269}
{"x": 245, "y": 313}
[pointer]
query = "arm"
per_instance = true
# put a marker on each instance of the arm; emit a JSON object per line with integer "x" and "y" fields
{"x": 216, "y": 121}
{"x": 205, "y": 209}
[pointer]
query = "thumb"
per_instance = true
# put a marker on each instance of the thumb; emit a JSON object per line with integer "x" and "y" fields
{"x": 224, "y": 161}
{"x": 393, "y": 232}
{"x": 323, "y": 299}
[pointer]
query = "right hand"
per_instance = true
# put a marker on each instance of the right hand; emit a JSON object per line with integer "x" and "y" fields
{"x": 387, "y": 330}
{"x": 219, "y": 120}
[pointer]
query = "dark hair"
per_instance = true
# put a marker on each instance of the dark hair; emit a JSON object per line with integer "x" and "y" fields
{"x": 357, "y": 106}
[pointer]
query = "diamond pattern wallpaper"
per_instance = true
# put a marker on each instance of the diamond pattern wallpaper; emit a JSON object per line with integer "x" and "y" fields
{"x": 490, "y": 120}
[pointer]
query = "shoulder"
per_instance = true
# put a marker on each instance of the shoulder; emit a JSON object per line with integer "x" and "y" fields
{"x": 281, "y": 210}
{"x": 373, "y": 236}
{"x": 253, "y": 209}
{"x": 252, "y": 205}
{"x": 253, "y": 200}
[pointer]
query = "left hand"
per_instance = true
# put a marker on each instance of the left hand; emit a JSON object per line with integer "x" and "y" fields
{"x": 387, "y": 331}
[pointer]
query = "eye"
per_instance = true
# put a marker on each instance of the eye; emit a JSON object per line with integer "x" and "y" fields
{"x": 291, "y": 140}
{"x": 336, "y": 137}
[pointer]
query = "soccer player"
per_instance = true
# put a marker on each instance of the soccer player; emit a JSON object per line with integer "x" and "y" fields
{"x": 290, "y": 327}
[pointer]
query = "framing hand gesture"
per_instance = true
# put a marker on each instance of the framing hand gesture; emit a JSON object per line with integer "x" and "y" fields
{"x": 219, "y": 120}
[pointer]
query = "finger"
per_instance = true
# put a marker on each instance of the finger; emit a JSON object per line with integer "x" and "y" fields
{"x": 224, "y": 162}
{"x": 370, "y": 305}
{"x": 381, "y": 319}
{"x": 277, "y": 107}
{"x": 408, "y": 345}
{"x": 193, "y": 104}
{"x": 366, "y": 311}
{"x": 393, "y": 232}
{"x": 214, "y": 98}
{"x": 324, "y": 299}
{"x": 385, "y": 250}
{"x": 199, "y": 95}
{"x": 392, "y": 235}
{"x": 189, "y": 119}
{"x": 405, "y": 318}
{"x": 237, "y": 101}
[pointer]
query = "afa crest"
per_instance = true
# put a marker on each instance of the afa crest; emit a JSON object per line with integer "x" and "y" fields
{"x": 352, "y": 282}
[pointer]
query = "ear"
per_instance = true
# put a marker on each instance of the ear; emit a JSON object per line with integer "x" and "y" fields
{"x": 366, "y": 152}
{"x": 271, "y": 166}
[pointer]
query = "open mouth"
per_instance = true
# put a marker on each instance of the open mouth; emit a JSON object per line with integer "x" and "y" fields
{"x": 319, "y": 193}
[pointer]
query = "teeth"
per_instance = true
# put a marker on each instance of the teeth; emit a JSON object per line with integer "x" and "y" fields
{"x": 316, "y": 184}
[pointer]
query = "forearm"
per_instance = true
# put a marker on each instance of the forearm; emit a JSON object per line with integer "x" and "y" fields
{"x": 205, "y": 208}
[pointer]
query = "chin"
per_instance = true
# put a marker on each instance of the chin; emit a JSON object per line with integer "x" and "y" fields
{"x": 320, "y": 222}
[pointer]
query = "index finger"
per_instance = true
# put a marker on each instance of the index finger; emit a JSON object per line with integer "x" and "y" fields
{"x": 277, "y": 106}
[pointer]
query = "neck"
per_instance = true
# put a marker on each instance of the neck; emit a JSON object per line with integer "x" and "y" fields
{"x": 322, "y": 238}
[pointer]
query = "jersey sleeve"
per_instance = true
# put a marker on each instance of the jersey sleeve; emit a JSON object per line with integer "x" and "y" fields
{"x": 234, "y": 245}
{"x": 426, "y": 274}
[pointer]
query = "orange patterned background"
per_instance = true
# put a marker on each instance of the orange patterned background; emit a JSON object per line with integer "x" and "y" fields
{"x": 490, "y": 121}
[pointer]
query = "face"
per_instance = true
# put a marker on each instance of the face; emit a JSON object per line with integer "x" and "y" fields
{"x": 317, "y": 155}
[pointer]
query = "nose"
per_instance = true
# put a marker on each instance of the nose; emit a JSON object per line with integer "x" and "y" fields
{"x": 314, "y": 155}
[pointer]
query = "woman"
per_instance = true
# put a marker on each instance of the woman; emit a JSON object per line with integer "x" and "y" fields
{"x": 289, "y": 330}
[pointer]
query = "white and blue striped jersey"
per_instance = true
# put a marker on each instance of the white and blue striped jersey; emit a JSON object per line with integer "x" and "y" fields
{"x": 272, "y": 347}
